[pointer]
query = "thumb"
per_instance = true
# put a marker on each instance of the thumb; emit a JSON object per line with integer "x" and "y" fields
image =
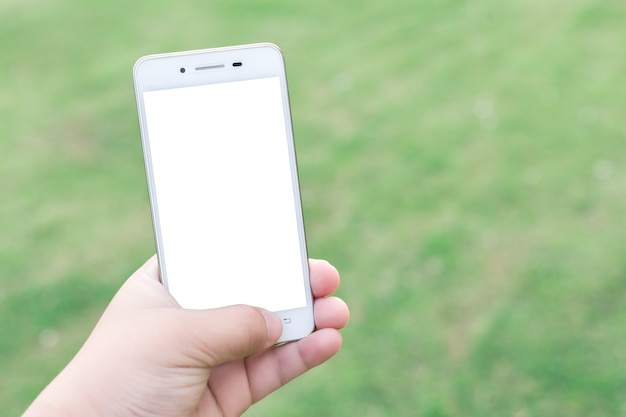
{"x": 211, "y": 337}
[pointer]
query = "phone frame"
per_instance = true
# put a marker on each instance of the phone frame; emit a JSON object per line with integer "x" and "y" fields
{"x": 214, "y": 66}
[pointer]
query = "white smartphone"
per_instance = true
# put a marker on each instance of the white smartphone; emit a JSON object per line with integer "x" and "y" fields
{"x": 223, "y": 182}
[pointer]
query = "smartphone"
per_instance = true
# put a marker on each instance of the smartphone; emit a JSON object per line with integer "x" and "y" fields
{"x": 223, "y": 182}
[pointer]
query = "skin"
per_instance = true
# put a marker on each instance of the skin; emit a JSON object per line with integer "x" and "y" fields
{"x": 149, "y": 357}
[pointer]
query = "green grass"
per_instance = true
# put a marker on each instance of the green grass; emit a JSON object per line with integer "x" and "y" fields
{"x": 462, "y": 164}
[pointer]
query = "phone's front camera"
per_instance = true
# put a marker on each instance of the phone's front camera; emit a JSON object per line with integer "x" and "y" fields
{"x": 182, "y": 70}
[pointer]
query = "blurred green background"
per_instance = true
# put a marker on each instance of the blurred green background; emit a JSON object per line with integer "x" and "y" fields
{"x": 463, "y": 164}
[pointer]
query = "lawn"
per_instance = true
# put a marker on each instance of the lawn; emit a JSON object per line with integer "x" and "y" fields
{"x": 463, "y": 164}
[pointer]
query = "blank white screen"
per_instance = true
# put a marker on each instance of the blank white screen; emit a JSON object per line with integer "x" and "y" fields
{"x": 223, "y": 190}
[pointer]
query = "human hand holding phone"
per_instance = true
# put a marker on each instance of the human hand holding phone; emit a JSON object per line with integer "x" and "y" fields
{"x": 148, "y": 356}
{"x": 224, "y": 192}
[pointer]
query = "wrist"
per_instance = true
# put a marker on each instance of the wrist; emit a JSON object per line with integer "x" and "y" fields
{"x": 42, "y": 407}
{"x": 62, "y": 397}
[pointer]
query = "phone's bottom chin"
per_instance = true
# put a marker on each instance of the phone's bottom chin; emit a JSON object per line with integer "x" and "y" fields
{"x": 288, "y": 337}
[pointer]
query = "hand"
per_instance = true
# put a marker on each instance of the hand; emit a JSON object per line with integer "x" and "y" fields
{"x": 149, "y": 357}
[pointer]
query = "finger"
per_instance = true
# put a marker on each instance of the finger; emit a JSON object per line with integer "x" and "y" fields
{"x": 324, "y": 278}
{"x": 212, "y": 337}
{"x": 274, "y": 368}
{"x": 331, "y": 312}
{"x": 149, "y": 270}
{"x": 143, "y": 289}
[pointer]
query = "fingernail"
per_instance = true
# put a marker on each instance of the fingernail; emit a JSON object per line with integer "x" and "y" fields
{"x": 274, "y": 325}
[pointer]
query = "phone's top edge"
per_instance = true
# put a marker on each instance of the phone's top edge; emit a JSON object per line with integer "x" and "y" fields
{"x": 203, "y": 51}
